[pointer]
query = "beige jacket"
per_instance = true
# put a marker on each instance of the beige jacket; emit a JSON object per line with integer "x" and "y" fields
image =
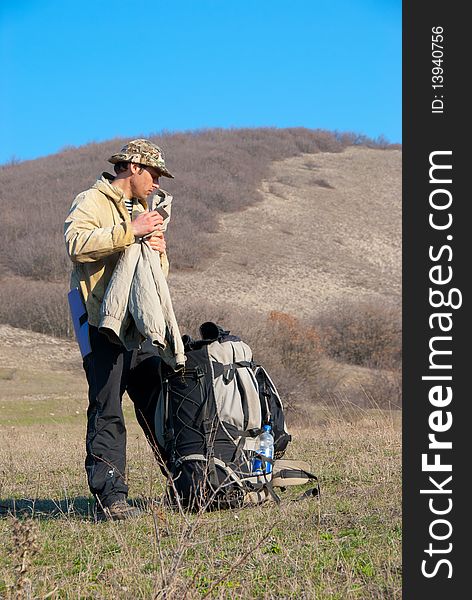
{"x": 96, "y": 231}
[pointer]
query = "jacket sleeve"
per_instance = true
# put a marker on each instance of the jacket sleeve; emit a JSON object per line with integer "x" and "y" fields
{"x": 87, "y": 240}
{"x": 165, "y": 264}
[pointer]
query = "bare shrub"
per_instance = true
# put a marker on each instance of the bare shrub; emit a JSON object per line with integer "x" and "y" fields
{"x": 366, "y": 333}
{"x": 36, "y": 306}
{"x": 36, "y": 256}
{"x": 386, "y": 393}
{"x": 299, "y": 346}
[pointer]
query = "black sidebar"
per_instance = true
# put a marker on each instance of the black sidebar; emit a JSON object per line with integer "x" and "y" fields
{"x": 437, "y": 240}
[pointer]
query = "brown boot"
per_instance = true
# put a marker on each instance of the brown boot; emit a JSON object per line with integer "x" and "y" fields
{"x": 120, "y": 510}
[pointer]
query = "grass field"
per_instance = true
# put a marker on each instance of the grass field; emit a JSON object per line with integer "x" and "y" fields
{"x": 347, "y": 544}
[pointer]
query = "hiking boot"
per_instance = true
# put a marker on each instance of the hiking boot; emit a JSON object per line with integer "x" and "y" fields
{"x": 120, "y": 510}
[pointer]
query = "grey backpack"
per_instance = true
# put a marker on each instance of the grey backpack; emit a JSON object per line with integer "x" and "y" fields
{"x": 207, "y": 422}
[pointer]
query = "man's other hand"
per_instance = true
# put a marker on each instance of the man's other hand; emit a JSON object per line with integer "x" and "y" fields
{"x": 157, "y": 242}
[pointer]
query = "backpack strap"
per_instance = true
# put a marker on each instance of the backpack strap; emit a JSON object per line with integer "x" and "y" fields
{"x": 169, "y": 437}
{"x": 216, "y": 461}
{"x": 258, "y": 487}
{"x": 242, "y": 440}
{"x": 207, "y": 424}
{"x": 229, "y": 370}
{"x": 294, "y": 472}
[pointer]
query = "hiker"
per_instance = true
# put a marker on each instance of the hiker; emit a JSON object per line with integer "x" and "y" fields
{"x": 102, "y": 223}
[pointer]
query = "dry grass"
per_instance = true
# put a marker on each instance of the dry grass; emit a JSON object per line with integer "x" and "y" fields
{"x": 345, "y": 545}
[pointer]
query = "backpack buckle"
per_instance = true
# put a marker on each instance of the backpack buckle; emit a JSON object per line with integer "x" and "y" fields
{"x": 228, "y": 372}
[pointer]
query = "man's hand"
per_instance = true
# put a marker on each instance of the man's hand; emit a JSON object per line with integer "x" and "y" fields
{"x": 146, "y": 223}
{"x": 157, "y": 242}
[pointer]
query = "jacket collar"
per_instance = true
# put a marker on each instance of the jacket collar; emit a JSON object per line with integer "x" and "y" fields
{"x": 105, "y": 185}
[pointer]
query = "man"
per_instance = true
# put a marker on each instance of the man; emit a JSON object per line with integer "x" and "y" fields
{"x": 103, "y": 221}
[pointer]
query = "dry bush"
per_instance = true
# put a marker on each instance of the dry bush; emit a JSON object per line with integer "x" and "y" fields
{"x": 365, "y": 333}
{"x": 292, "y": 354}
{"x": 386, "y": 393}
{"x": 296, "y": 355}
{"x": 36, "y": 256}
{"x": 36, "y": 306}
{"x": 299, "y": 346}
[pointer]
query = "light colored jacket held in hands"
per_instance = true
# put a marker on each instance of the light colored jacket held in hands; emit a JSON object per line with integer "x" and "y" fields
{"x": 97, "y": 230}
{"x": 137, "y": 306}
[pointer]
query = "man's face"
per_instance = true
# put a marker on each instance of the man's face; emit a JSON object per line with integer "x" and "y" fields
{"x": 144, "y": 181}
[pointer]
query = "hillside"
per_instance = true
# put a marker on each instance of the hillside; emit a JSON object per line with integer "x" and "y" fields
{"x": 328, "y": 228}
{"x": 277, "y": 234}
{"x": 321, "y": 223}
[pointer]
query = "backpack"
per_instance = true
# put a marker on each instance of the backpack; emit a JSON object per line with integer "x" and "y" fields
{"x": 207, "y": 421}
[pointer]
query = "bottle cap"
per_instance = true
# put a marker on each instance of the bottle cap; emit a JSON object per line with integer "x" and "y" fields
{"x": 266, "y": 427}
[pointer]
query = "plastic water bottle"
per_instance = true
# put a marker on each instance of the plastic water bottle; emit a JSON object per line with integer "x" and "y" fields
{"x": 265, "y": 446}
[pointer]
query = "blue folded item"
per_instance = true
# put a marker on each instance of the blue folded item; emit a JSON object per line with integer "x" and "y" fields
{"x": 80, "y": 321}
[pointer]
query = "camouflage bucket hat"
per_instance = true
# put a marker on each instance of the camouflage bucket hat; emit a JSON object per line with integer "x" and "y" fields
{"x": 142, "y": 152}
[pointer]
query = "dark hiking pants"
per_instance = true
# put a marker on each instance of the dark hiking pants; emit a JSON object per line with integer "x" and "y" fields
{"x": 111, "y": 370}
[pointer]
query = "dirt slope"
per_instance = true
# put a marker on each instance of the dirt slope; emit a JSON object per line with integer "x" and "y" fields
{"x": 35, "y": 351}
{"x": 329, "y": 227}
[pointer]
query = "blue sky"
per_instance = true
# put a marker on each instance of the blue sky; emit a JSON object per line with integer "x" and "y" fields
{"x": 73, "y": 73}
